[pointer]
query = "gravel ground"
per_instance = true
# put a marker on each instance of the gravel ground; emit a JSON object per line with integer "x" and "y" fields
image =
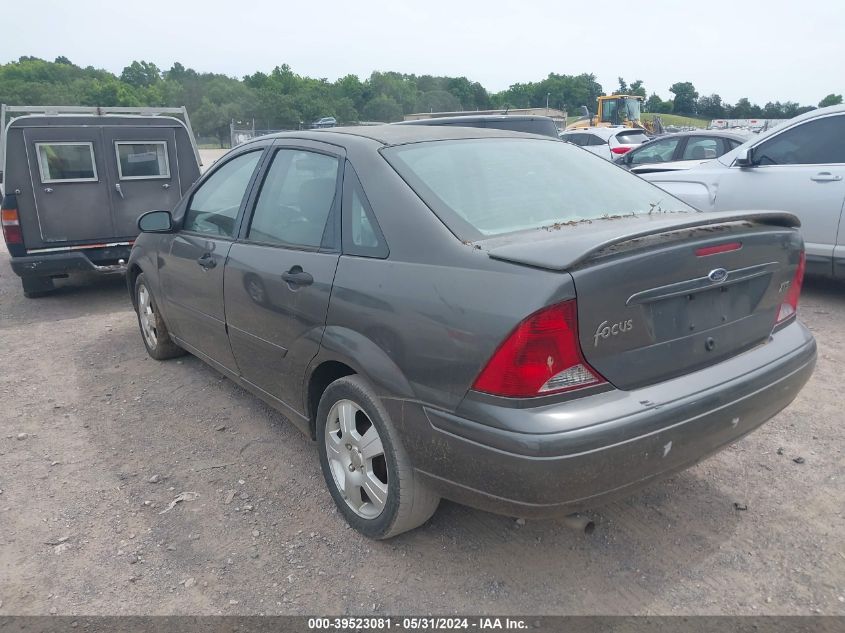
{"x": 98, "y": 441}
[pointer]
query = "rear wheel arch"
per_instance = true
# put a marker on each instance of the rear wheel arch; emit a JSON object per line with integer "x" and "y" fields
{"x": 344, "y": 352}
{"x": 323, "y": 375}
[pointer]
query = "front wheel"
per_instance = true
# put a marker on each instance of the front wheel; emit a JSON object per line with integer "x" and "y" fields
{"x": 154, "y": 331}
{"x": 365, "y": 466}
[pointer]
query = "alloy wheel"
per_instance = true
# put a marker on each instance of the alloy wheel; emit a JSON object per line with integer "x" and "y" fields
{"x": 147, "y": 317}
{"x": 356, "y": 459}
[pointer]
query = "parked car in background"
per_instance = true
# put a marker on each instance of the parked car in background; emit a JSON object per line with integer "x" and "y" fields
{"x": 542, "y": 125}
{"x": 798, "y": 166}
{"x": 326, "y": 121}
{"x": 678, "y": 151}
{"x": 474, "y": 314}
{"x": 77, "y": 178}
{"x": 607, "y": 142}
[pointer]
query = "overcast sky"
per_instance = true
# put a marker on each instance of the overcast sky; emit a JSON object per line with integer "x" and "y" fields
{"x": 770, "y": 51}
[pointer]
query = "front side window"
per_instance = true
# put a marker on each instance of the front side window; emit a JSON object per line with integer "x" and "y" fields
{"x": 815, "y": 142}
{"x": 214, "y": 206}
{"x": 490, "y": 186}
{"x": 655, "y": 152}
{"x": 702, "y": 148}
{"x": 66, "y": 162}
{"x": 610, "y": 111}
{"x": 137, "y": 161}
{"x": 295, "y": 200}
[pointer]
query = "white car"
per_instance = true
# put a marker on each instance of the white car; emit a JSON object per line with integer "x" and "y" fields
{"x": 682, "y": 150}
{"x": 797, "y": 167}
{"x": 607, "y": 142}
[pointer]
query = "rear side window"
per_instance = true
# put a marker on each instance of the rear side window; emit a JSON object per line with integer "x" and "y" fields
{"x": 486, "y": 187}
{"x": 137, "y": 161}
{"x": 812, "y": 143}
{"x": 66, "y": 162}
{"x": 593, "y": 140}
{"x": 361, "y": 232}
{"x": 215, "y": 205}
{"x": 295, "y": 200}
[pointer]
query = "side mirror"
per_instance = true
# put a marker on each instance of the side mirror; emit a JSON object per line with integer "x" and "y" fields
{"x": 745, "y": 158}
{"x": 155, "y": 222}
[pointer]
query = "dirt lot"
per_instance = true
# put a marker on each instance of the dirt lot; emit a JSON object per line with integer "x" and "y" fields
{"x": 98, "y": 439}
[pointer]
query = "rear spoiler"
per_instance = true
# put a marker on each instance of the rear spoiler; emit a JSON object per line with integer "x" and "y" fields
{"x": 566, "y": 246}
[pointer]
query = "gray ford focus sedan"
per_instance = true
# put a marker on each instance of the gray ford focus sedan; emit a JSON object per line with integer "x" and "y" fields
{"x": 485, "y": 316}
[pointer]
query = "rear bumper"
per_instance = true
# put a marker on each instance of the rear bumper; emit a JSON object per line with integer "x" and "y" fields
{"x": 101, "y": 260}
{"x": 593, "y": 449}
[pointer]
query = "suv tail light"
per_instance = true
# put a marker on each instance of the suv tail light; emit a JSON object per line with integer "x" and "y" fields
{"x": 541, "y": 356}
{"x": 620, "y": 150}
{"x": 11, "y": 226}
{"x": 790, "y": 302}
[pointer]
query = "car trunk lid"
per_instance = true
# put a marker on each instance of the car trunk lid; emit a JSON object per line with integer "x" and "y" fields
{"x": 662, "y": 297}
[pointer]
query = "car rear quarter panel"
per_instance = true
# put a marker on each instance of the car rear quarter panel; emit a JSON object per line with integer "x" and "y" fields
{"x": 436, "y": 308}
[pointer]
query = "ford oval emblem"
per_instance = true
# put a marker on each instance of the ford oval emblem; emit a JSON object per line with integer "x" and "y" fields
{"x": 718, "y": 274}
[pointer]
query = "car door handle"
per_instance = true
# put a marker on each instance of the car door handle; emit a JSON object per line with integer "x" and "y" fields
{"x": 825, "y": 176}
{"x": 206, "y": 261}
{"x": 297, "y": 277}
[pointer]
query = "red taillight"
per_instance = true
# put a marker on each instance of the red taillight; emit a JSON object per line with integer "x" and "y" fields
{"x": 620, "y": 150}
{"x": 11, "y": 226}
{"x": 789, "y": 306}
{"x": 541, "y": 356}
{"x": 704, "y": 251}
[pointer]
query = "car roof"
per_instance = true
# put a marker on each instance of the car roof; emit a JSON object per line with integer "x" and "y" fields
{"x": 390, "y": 134}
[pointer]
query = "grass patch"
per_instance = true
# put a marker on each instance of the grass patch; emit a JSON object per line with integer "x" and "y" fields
{"x": 668, "y": 119}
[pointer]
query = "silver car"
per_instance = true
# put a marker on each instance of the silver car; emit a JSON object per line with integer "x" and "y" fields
{"x": 798, "y": 167}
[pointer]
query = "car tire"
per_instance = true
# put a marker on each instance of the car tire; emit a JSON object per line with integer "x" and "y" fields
{"x": 34, "y": 287}
{"x": 154, "y": 332}
{"x": 407, "y": 503}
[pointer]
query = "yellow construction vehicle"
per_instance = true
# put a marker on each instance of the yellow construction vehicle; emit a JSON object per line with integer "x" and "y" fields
{"x": 612, "y": 110}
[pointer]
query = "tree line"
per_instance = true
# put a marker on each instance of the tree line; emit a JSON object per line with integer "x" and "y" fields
{"x": 282, "y": 99}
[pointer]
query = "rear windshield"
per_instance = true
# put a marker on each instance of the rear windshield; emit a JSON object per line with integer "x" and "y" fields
{"x": 487, "y": 187}
{"x": 631, "y": 138}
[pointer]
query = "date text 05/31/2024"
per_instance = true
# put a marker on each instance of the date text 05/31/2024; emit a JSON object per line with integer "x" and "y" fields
{"x": 415, "y": 623}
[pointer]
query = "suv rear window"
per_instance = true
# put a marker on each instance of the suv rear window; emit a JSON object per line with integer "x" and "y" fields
{"x": 631, "y": 138}
{"x": 544, "y": 127}
{"x": 487, "y": 187}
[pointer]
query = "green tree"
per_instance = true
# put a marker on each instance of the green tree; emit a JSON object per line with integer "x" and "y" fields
{"x": 830, "y": 100}
{"x": 140, "y": 74}
{"x": 637, "y": 88}
{"x": 383, "y": 108}
{"x": 711, "y": 107}
{"x": 685, "y": 98}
